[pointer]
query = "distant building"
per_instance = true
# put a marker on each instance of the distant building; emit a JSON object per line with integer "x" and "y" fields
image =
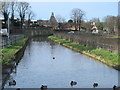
{"x": 52, "y": 22}
{"x": 43, "y": 22}
{"x": 32, "y": 22}
{"x": 94, "y": 28}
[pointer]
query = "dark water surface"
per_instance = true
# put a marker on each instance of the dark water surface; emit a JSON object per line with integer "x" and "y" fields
{"x": 38, "y": 67}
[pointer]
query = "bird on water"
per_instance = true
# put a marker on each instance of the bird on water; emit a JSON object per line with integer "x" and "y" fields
{"x": 95, "y": 85}
{"x": 53, "y": 57}
{"x": 13, "y": 82}
{"x": 116, "y": 87}
{"x": 72, "y": 83}
{"x": 43, "y": 87}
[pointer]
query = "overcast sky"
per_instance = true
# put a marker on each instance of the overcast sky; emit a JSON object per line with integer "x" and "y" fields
{"x": 43, "y": 10}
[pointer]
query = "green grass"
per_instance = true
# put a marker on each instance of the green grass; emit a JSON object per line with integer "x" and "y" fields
{"x": 109, "y": 57}
{"x": 8, "y": 53}
{"x": 114, "y": 37}
{"x": 71, "y": 44}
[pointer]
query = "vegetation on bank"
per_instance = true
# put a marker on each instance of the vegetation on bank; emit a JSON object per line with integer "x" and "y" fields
{"x": 114, "y": 37}
{"x": 8, "y": 53}
{"x": 108, "y": 57}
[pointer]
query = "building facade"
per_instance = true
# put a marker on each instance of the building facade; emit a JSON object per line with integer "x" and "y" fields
{"x": 52, "y": 22}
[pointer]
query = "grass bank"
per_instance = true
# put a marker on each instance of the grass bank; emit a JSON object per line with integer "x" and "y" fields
{"x": 8, "y": 53}
{"x": 111, "y": 59}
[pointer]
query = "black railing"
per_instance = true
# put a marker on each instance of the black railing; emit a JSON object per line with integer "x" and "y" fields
{"x": 9, "y": 40}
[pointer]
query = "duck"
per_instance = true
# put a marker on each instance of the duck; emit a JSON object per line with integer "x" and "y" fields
{"x": 95, "y": 85}
{"x": 72, "y": 83}
{"x": 116, "y": 87}
{"x": 53, "y": 57}
{"x": 43, "y": 87}
{"x": 13, "y": 82}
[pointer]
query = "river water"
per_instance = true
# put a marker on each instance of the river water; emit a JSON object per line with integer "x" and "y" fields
{"x": 38, "y": 67}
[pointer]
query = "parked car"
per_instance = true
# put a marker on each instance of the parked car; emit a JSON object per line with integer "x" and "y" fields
{"x": 95, "y": 31}
{"x": 4, "y": 32}
{"x": 71, "y": 32}
{"x": 108, "y": 32}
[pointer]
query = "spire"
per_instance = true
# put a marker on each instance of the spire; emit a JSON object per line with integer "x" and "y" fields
{"x": 52, "y": 14}
{"x": 53, "y": 19}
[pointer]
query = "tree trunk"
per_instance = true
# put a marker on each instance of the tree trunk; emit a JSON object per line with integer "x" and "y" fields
{"x": 75, "y": 26}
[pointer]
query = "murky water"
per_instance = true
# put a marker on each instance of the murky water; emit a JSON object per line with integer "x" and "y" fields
{"x": 38, "y": 67}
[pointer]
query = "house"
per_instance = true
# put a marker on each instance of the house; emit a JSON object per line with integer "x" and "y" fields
{"x": 94, "y": 28}
{"x": 52, "y": 22}
{"x": 43, "y": 22}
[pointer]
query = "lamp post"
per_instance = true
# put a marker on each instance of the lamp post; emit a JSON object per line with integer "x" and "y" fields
{"x": 8, "y": 26}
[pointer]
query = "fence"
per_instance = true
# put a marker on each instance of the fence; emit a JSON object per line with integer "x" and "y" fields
{"x": 91, "y": 40}
{"x": 5, "y": 41}
{"x": 38, "y": 31}
{"x": 32, "y": 31}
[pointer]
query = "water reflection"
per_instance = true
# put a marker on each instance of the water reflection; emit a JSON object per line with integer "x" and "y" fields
{"x": 38, "y": 67}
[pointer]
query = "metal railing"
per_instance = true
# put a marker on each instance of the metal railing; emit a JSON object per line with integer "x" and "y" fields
{"x": 9, "y": 40}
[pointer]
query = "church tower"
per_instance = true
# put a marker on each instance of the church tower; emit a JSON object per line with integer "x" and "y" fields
{"x": 53, "y": 20}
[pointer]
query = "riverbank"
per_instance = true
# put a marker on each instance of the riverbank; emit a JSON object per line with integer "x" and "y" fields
{"x": 9, "y": 53}
{"x": 110, "y": 59}
{"x": 11, "y": 56}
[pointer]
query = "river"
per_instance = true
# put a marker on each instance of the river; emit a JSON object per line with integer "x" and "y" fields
{"x": 38, "y": 67}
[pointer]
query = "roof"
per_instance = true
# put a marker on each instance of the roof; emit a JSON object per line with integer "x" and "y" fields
{"x": 53, "y": 19}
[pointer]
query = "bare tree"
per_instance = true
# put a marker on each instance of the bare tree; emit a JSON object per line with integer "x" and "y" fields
{"x": 74, "y": 17}
{"x": 30, "y": 15}
{"x": 12, "y": 10}
{"x": 96, "y": 20}
{"x": 61, "y": 21}
{"x": 77, "y": 17}
{"x": 5, "y": 10}
{"x": 110, "y": 23}
{"x": 22, "y": 10}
